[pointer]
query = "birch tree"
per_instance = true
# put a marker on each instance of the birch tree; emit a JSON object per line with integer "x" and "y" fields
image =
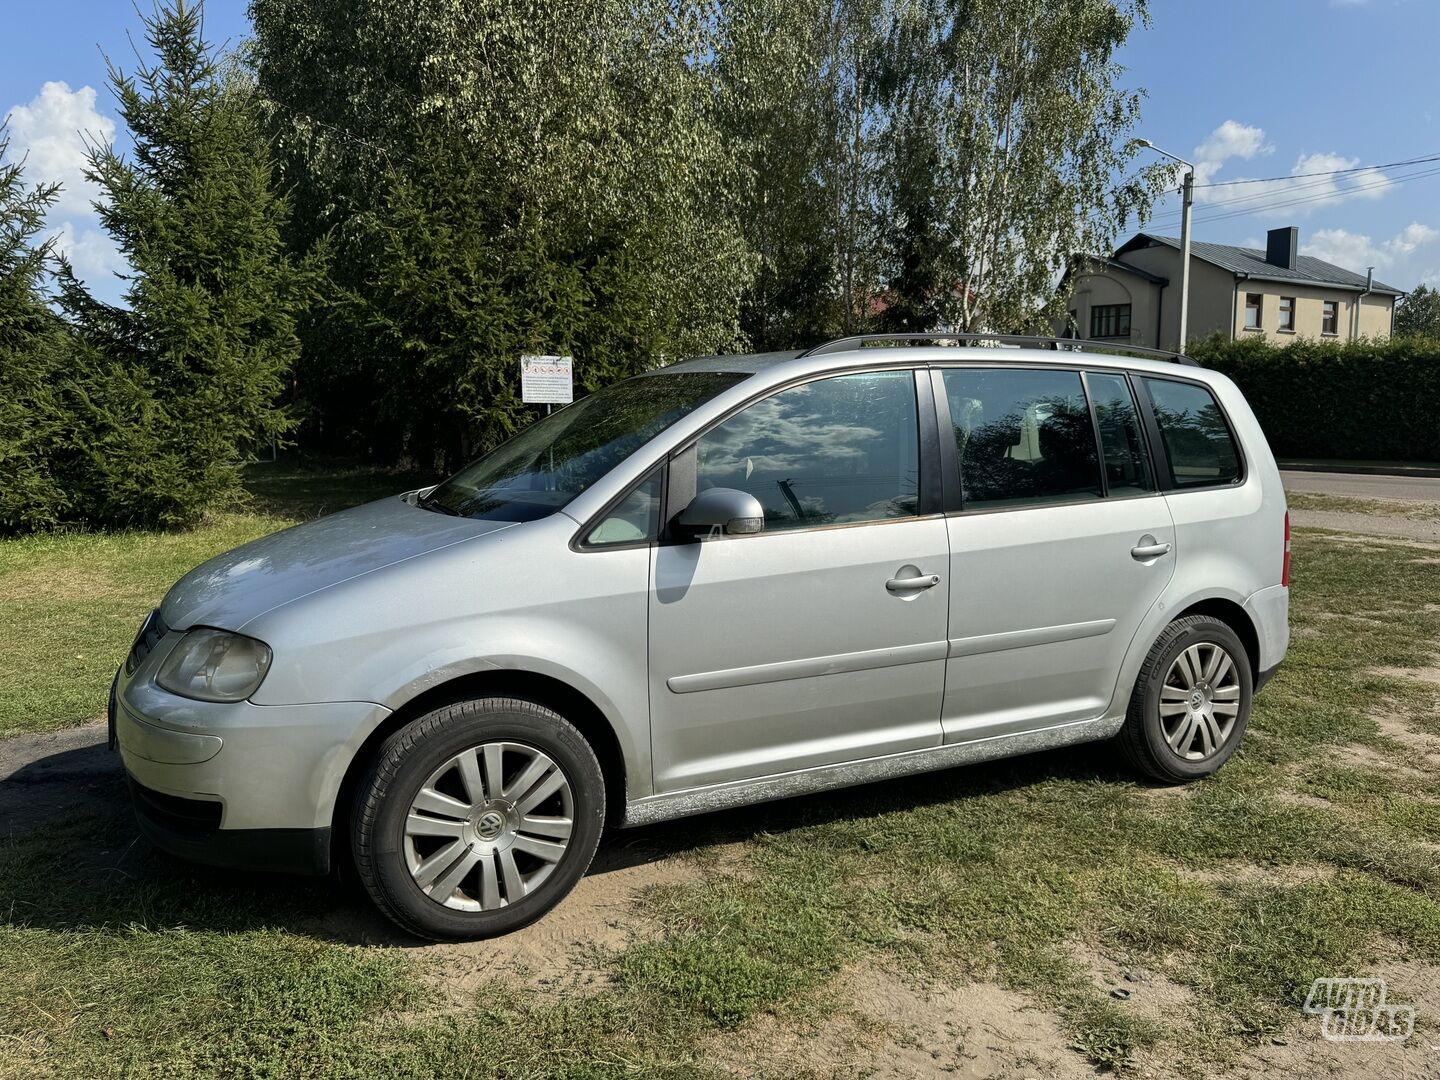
{"x": 1008, "y": 149}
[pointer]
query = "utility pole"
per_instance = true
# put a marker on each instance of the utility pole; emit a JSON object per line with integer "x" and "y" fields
{"x": 1187, "y": 200}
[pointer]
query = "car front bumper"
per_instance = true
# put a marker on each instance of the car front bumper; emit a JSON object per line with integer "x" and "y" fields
{"x": 243, "y": 785}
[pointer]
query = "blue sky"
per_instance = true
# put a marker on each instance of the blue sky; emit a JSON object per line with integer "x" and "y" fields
{"x": 1244, "y": 88}
{"x": 1266, "y": 88}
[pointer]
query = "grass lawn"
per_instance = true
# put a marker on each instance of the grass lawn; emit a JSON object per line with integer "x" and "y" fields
{"x": 1315, "y": 852}
{"x": 73, "y": 601}
{"x": 1411, "y": 509}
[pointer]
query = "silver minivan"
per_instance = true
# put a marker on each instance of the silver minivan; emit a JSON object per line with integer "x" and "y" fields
{"x": 729, "y": 580}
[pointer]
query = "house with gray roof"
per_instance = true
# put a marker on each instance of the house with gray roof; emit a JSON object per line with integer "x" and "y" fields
{"x": 1276, "y": 293}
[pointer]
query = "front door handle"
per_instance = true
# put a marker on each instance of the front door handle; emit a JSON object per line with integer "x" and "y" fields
{"x": 912, "y": 584}
{"x": 1149, "y": 548}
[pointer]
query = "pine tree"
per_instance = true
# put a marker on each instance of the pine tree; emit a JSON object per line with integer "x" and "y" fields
{"x": 32, "y": 353}
{"x": 180, "y": 385}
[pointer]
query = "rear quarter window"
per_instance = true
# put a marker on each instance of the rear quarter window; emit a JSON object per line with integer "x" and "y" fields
{"x": 1198, "y": 443}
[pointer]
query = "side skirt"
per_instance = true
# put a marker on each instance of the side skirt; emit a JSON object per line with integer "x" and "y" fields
{"x": 677, "y": 804}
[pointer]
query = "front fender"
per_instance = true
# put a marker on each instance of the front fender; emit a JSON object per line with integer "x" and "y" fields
{"x": 517, "y": 600}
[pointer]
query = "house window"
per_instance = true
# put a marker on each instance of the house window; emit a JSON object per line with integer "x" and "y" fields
{"x": 1110, "y": 320}
{"x": 1252, "y": 311}
{"x": 1330, "y": 320}
{"x": 1287, "y": 314}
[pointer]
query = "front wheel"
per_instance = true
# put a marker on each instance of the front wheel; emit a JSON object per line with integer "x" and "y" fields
{"x": 478, "y": 818}
{"x": 1191, "y": 702}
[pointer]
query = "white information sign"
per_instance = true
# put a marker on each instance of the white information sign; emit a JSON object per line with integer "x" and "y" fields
{"x": 546, "y": 380}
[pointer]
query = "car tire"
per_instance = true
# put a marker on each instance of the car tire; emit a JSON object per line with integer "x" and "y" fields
{"x": 1186, "y": 717}
{"x": 452, "y": 851}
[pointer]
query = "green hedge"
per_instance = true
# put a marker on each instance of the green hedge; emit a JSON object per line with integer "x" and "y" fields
{"x": 1364, "y": 399}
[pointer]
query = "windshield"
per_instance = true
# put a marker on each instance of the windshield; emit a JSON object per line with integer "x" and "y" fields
{"x": 555, "y": 459}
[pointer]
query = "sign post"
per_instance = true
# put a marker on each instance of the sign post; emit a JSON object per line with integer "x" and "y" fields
{"x": 547, "y": 380}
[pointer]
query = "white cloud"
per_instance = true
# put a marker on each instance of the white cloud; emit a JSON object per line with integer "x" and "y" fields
{"x": 1353, "y": 251}
{"x": 1233, "y": 141}
{"x": 1413, "y": 236}
{"x": 91, "y": 253}
{"x": 1230, "y": 140}
{"x": 1356, "y": 251}
{"x": 49, "y": 134}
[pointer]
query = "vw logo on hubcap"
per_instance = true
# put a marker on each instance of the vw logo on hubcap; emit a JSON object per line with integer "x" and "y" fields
{"x": 489, "y": 825}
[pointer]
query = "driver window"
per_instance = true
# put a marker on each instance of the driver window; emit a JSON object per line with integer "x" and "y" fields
{"x": 835, "y": 451}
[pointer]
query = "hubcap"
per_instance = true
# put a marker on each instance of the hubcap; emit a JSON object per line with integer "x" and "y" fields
{"x": 489, "y": 826}
{"x": 1199, "y": 701}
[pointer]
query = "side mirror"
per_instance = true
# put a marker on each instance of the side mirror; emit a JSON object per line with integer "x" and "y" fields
{"x": 720, "y": 512}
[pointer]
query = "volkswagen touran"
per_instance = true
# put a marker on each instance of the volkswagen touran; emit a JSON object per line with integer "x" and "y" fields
{"x": 729, "y": 580}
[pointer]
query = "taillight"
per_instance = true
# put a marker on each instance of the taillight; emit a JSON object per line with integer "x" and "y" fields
{"x": 1285, "y": 566}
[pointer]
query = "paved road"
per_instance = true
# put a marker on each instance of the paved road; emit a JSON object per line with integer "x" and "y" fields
{"x": 49, "y": 776}
{"x": 1419, "y": 488}
{"x": 1358, "y": 485}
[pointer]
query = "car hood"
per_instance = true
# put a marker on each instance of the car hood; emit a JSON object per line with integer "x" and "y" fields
{"x": 232, "y": 589}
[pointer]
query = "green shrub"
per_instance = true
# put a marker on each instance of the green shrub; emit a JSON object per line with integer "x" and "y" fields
{"x": 1377, "y": 399}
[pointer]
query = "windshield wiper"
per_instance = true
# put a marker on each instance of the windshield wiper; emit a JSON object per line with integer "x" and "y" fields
{"x": 438, "y": 507}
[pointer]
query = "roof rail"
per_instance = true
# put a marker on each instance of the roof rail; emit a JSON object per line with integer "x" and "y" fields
{"x": 1023, "y": 340}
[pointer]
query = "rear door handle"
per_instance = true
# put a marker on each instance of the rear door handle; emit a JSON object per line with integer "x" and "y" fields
{"x": 1149, "y": 548}
{"x": 911, "y": 584}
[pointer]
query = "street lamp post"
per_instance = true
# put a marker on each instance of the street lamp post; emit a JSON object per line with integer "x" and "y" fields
{"x": 1187, "y": 200}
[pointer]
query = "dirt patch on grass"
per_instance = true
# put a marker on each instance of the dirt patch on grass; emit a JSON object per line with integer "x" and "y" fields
{"x": 1424, "y": 674}
{"x": 570, "y": 946}
{"x": 1297, "y": 798}
{"x": 1303, "y": 1051}
{"x": 1248, "y": 873}
{"x": 1367, "y": 757}
{"x": 1346, "y": 616}
{"x": 1351, "y": 532}
{"x": 77, "y": 581}
{"x": 1423, "y": 747}
{"x": 1166, "y": 793}
{"x": 1417, "y": 984}
{"x": 881, "y": 1026}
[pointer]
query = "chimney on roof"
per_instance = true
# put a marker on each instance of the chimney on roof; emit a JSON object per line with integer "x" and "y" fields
{"x": 1282, "y": 246}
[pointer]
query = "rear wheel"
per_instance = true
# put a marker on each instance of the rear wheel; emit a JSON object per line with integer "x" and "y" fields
{"x": 478, "y": 818}
{"x": 1191, "y": 702}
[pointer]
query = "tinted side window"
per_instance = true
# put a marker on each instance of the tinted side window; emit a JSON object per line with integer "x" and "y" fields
{"x": 1023, "y": 436}
{"x": 634, "y": 519}
{"x": 838, "y": 450}
{"x": 1196, "y": 438}
{"x": 1126, "y": 462}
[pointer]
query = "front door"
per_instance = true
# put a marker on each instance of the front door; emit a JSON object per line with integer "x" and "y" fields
{"x": 822, "y": 639}
{"x": 1053, "y": 565}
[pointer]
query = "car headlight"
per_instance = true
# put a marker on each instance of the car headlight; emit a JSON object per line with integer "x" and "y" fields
{"x": 215, "y": 665}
